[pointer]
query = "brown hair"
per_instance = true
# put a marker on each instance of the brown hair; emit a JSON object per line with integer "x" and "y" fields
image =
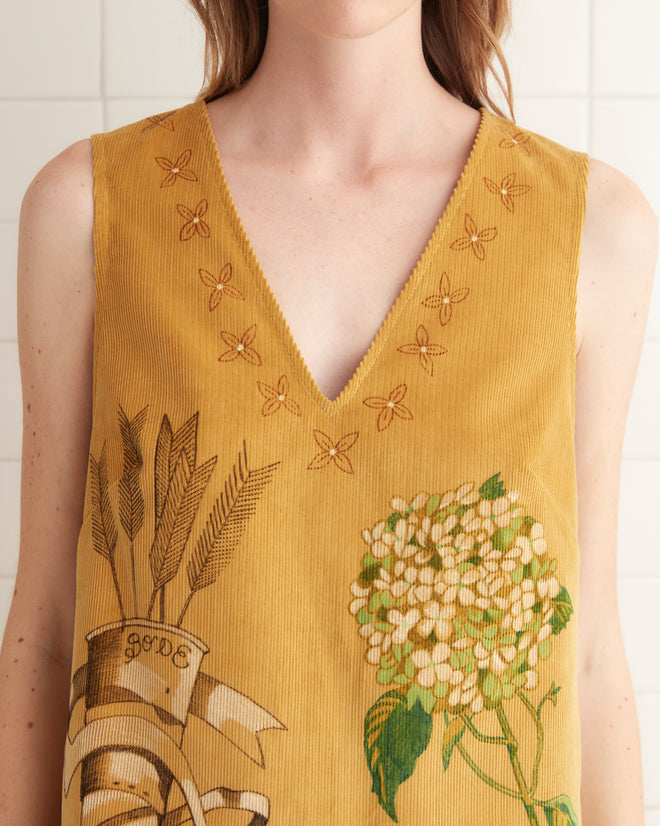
{"x": 460, "y": 39}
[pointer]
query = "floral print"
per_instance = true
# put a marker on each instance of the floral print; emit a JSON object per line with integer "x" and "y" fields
{"x": 458, "y": 602}
{"x": 162, "y": 120}
{"x": 332, "y": 451}
{"x": 475, "y": 238}
{"x": 240, "y": 346}
{"x": 445, "y": 299}
{"x": 220, "y": 286}
{"x": 193, "y": 221}
{"x": 277, "y": 397}
{"x": 423, "y": 349}
{"x": 390, "y": 407}
{"x": 517, "y": 141}
{"x": 507, "y": 189}
{"x": 176, "y": 169}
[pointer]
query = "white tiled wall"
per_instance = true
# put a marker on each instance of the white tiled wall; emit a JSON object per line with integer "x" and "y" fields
{"x": 584, "y": 73}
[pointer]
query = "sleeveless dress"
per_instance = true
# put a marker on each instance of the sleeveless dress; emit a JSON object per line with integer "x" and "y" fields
{"x": 295, "y": 610}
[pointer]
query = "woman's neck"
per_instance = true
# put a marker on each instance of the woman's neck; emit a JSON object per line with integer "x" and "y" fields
{"x": 343, "y": 102}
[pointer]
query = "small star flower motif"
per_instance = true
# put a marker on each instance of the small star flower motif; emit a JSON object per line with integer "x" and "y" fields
{"x": 475, "y": 238}
{"x": 507, "y": 189}
{"x": 220, "y": 286}
{"x": 517, "y": 141}
{"x": 277, "y": 397}
{"x": 332, "y": 451}
{"x": 445, "y": 299}
{"x": 162, "y": 120}
{"x": 240, "y": 347}
{"x": 389, "y": 407}
{"x": 194, "y": 224}
{"x": 423, "y": 349}
{"x": 176, "y": 169}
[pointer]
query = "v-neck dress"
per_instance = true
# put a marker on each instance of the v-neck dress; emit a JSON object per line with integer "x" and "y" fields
{"x": 350, "y": 612}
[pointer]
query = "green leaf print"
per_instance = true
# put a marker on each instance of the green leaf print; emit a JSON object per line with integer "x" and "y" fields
{"x": 559, "y": 812}
{"x": 492, "y": 488}
{"x": 453, "y": 734}
{"x": 394, "y": 737}
{"x": 563, "y": 610}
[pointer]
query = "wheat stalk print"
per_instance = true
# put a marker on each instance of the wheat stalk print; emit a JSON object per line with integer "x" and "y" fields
{"x": 104, "y": 530}
{"x": 226, "y": 524}
{"x": 131, "y": 499}
{"x": 186, "y": 485}
{"x": 129, "y": 762}
{"x": 458, "y": 601}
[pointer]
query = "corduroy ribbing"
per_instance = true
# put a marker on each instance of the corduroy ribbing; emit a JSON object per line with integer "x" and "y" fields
{"x": 294, "y": 610}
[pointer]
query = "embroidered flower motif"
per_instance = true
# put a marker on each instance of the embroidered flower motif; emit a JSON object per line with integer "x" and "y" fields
{"x": 519, "y": 140}
{"x": 445, "y": 299}
{"x": 277, "y": 397}
{"x": 162, "y": 120}
{"x": 333, "y": 451}
{"x": 176, "y": 169}
{"x": 423, "y": 348}
{"x": 475, "y": 238}
{"x": 220, "y": 286}
{"x": 390, "y": 407}
{"x": 240, "y": 347}
{"x": 194, "y": 224}
{"x": 507, "y": 189}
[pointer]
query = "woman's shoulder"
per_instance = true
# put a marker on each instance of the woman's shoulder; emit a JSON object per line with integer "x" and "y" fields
{"x": 620, "y": 235}
{"x": 58, "y": 203}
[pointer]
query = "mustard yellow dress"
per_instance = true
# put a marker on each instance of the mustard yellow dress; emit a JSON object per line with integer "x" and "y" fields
{"x": 352, "y": 612}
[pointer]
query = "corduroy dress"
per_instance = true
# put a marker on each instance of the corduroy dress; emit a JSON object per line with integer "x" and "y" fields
{"x": 351, "y": 612}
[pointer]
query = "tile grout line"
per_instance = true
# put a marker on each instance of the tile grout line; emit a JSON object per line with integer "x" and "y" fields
{"x": 591, "y": 39}
{"x": 102, "y": 56}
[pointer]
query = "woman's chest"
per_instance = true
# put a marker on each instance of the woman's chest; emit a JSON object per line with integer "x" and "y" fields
{"x": 336, "y": 256}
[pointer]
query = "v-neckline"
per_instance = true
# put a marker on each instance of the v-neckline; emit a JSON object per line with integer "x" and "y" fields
{"x": 370, "y": 356}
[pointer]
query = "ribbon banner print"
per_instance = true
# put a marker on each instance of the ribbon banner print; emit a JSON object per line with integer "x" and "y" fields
{"x": 129, "y": 762}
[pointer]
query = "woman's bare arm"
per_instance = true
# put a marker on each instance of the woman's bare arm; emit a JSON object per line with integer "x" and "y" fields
{"x": 619, "y": 252}
{"x": 55, "y": 336}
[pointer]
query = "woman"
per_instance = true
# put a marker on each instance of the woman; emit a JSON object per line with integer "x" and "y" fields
{"x": 387, "y": 464}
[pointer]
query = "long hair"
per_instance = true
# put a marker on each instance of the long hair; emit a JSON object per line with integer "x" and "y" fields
{"x": 460, "y": 41}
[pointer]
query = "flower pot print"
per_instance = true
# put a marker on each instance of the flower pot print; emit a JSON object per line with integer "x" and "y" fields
{"x": 143, "y": 679}
{"x": 458, "y": 601}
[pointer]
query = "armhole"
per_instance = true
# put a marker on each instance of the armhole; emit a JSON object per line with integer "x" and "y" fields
{"x": 101, "y": 237}
{"x": 582, "y": 183}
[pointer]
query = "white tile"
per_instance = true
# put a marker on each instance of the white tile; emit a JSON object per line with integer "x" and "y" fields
{"x": 11, "y": 410}
{"x": 638, "y": 598}
{"x": 6, "y": 593}
{"x": 10, "y": 501}
{"x": 50, "y": 49}
{"x": 653, "y": 815}
{"x": 564, "y": 120}
{"x": 152, "y": 48}
{"x": 8, "y": 250}
{"x": 648, "y": 712}
{"x": 642, "y": 437}
{"x": 538, "y": 66}
{"x": 625, "y": 47}
{"x": 625, "y": 135}
{"x": 129, "y": 110}
{"x": 637, "y": 542}
{"x": 33, "y": 133}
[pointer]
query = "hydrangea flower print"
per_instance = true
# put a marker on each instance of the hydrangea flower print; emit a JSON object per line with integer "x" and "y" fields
{"x": 458, "y": 600}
